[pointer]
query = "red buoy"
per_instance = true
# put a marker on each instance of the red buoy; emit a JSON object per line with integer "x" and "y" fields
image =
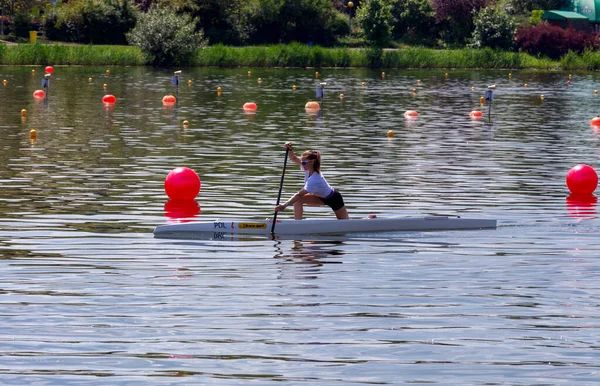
{"x": 475, "y": 114}
{"x": 312, "y": 107}
{"x": 49, "y": 69}
{"x": 109, "y": 99}
{"x": 582, "y": 180}
{"x": 39, "y": 94}
{"x": 182, "y": 184}
{"x": 169, "y": 100}
{"x": 411, "y": 114}
{"x": 595, "y": 121}
{"x": 250, "y": 106}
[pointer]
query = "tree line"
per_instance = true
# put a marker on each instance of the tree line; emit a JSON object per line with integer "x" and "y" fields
{"x": 156, "y": 25}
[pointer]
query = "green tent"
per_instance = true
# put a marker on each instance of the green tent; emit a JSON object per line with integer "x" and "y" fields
{"x": 566, "y": 19}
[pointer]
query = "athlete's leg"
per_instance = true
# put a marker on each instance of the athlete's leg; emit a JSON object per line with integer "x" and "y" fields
{"x": 342, "y": 213}
{"x": 307, "y": 199}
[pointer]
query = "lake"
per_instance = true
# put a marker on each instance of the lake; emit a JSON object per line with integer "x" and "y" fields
{"x": 89, "y": 296}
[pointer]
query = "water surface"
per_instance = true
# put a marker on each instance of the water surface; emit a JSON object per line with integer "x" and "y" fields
{"x": 88, "y": 296}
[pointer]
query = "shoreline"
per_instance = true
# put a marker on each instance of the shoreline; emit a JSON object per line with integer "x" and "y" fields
{"x": 296, "y": 55}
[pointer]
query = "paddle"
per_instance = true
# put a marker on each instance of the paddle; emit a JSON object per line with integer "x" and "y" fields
{"x": 287, "y": 150}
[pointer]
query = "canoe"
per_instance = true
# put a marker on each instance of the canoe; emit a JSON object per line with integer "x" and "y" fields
{"x": 324, "y": 226}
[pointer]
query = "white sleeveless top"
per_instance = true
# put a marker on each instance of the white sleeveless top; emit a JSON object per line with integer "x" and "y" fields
{"x": 317, "y": 185}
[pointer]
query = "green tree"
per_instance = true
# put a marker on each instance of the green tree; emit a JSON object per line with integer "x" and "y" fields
{"x": 374, "y": 18}
{"x": 305, "y": 20}
{"x": 455, "y": 18}
{"x": 91, "y": 21}
{"x": 166, "y": 37}
{"x": 493, "y": 28}
{"x": 413, "y": 19}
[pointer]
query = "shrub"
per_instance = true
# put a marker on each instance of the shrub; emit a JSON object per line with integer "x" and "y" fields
{"x": 536, "y": 17}
{"x": 22, "y": 24}
{"x": 553, "y": 41}
{"x": 494, "y": 29}
{"x": 166, "y": 37}
{"x": 415, "y": 18}
{"x": 374, "y": 19}
{"x": 91, "y": 21}
{"x": 456, "y": 18}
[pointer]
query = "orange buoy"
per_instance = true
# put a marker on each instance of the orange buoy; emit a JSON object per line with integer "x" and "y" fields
{"x": 250, "y": 106}
{"x": 595, "y": 121}
{"x": 169, "y": 100}
{"x": 411, "y": 114}
{"x": 109, "y": 99}
{"x": 312, "y": 106}
{"x": 39, "y": 94}
{"x": 390, "y": 133}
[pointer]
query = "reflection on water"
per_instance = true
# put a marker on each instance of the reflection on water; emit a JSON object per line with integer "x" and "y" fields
{"x": 89, "y": 296}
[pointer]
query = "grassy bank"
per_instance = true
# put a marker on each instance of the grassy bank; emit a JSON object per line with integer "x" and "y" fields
{"x": 297, "y": 55}
{"x": 40, "y": 54}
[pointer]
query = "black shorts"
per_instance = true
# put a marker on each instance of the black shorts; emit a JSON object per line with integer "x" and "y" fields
{"x": 335, "y": 201}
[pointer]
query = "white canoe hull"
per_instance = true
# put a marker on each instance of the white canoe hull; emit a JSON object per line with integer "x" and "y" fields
{"x": 325, "y": 226}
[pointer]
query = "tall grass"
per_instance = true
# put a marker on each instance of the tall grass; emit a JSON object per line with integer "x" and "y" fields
{"x": 298, "y": 55}
{"x": 71, "y": 55}
{"x": 301, "y": 55}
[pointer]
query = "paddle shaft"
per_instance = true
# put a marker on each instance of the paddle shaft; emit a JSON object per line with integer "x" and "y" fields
{"x": 287, "y": 151}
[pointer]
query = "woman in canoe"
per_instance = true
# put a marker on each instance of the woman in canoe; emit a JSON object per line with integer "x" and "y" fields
{"x": 316, "y": 190}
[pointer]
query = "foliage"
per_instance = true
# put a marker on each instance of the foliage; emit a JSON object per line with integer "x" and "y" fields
{"x": 553, "y": 41}
{"x": 536, "y": 16}
{"x": 166, "y": 37}
{"x": 456, "y": 18}
{"x": 305, "y": 20}
{"x": 457, "y": 9}
{"x": 28, "y": 54}
{"x": 414, "y": 19}
{"x": 13, "y": 7}
{"x": 525, "y": 6}
{"x": 374, "y": 18}
{"x": 91, "y": 21}
{"x": 310, "y": 21}
{"x": 22, "y": 24}
{"x": 494, "y": 29}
